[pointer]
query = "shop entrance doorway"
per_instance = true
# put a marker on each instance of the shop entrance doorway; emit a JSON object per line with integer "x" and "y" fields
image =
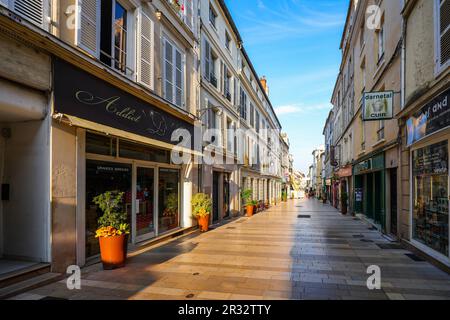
{"x": 393, "y": 194}
{"x": 226, "y": 195}
{"x": 215, "y": 198}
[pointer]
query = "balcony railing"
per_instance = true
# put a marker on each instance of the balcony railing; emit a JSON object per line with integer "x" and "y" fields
{"x": 228, "y": 95}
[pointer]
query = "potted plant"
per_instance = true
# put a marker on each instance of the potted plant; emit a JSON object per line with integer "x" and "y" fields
{"x": 201, "y": 209}
{"x": 246, "y": 195}
{"x": 171, "y": 210}
{"x": 254, "y": 205}
{"x": 344, "y": 198}
{"x": 113, "y": 229}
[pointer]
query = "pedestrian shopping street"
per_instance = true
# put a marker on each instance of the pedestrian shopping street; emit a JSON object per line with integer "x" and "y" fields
{"x": 301, "y": 249}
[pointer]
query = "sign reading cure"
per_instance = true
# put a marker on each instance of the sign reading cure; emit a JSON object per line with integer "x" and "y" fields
{"x": 80, "y": 94}
{"x": 378, "y": 105}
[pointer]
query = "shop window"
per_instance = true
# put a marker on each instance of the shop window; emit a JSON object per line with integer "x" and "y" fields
{"x": 137, "y": 151}
{"x": 168, "y": 199}
{"x": 99, "y": 144}
{"x": 102, "y": 177}
{"x": 430, "y": 183}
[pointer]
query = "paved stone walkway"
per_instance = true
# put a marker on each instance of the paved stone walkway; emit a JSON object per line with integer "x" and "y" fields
{"x": 273, "y": 255}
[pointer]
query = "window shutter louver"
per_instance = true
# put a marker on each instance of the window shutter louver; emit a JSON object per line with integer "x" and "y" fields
{"x": 88, "y": 29}
{"x": 207, "y": 60}
{"x": 168, "y": 71}
{"x": 145, "y": 51}
{"x": 178, "y": 78}
{"x": 444, "y": 32}
{"x": 32, "y": 10}
{"x": 189, "y": 9}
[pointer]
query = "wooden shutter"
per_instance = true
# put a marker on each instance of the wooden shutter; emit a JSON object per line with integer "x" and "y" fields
{"x": 168, "y": 70}
{"x": 88, "y": 26}
{"x": 145, "y": 51}
{"x": 444, "y": 33}
{"x": 32, "y": 10}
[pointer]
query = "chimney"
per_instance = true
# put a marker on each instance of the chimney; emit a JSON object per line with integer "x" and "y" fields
{"x": 263, "y": 81}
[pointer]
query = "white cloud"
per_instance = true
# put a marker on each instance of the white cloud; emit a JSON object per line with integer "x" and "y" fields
{"x": 261, "y": 5}
{"x": 301, "y": 108}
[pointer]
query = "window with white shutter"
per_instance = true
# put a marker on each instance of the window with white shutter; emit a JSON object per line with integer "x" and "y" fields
{"x": 32, "y": 10}
{"x": 88, "y": 26}
{"x": 189, "y": 13}
{"x": 145, "y": 51}
{"x": 207, "y": 59}
{"x": 173, "y": 74}
{"x": 443, "y": 35}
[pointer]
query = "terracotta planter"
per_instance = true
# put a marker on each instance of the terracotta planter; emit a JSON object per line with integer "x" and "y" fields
{"x": 250, "y": 210}
{"x": 112, "y": 252}
{"x": 203, "y": 223}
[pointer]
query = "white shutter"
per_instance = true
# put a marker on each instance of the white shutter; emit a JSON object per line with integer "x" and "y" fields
{"x": 168, "y": 71}
{"x": 145, "y": 51}
{"x": 88, "y": 26}
{"x": 189, "y": 9}
{"x": 178, "y": 77}
{"x": 32, "y": 10}
{"x": 207, "y": 59}
{"x": 4, "y": 3}
{"x": 444, "y": 33}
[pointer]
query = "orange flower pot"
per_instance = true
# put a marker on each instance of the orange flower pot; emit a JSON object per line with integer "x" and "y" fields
{"x": 250, "y": 210}
{"x": 112, "y": 251}
{"x": 203, "y": 223}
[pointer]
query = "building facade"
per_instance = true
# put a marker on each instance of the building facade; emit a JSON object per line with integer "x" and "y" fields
{"x": 424, "y": 129}
{"x": 98, "y": 96}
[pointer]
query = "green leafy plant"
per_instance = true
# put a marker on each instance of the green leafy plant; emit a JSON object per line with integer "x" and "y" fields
{"x": 246, "y": 195}
{"x": 201, "y": 205}
{"x": 172, "y": 205}
{"x": 254, "y": 202}
{"x": 110, "y": 203}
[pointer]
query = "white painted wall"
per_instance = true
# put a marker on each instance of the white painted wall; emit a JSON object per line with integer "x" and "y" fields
{"x": 27, "y": 170}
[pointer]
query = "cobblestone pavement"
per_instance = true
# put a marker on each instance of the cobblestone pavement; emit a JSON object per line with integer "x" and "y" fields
{"x": 273, "y": 255}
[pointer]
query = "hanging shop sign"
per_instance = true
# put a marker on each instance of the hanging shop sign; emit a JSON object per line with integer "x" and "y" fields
{"x": 431, "y": 118}
{"x": 80, "y": 94}
{"x": 378, "y": 105}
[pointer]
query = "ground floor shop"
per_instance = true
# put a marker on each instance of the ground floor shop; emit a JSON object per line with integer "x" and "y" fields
{"x": 426, "y": 219}
{"x": 265, "y": 189}
{"x": 96, "y": 151}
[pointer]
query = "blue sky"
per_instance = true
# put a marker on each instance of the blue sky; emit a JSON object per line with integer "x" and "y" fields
{"x": 295, "y": 44}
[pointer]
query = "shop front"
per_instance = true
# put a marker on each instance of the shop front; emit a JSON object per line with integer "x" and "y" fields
{"x": 369, "y": 190}
{"x": 428, "y": 135}
{"x": 344, "y": 175}
{"x": 122, "y": 144}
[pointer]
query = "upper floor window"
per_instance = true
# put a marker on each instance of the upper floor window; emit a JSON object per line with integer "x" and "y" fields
{"x": 227, "y": 41}
{"x": 184, "y": 10}
{"x": 226, "y": 83}
{"x": 114, "y": 40}
{"x": 173, "y": 75}
{"x": 380, "y": 34}
{"x": 212, "y": 16}
{"x": 443, "y": 35}
{"x": 252, "y": 115}
{"x": 243, "y": 104}
{"x": 209, "y": 62}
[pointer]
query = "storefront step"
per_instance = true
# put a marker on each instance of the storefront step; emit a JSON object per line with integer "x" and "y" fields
{"x": 425, "y": 256}
{"x": 29, "y": 284}
{"x": 24, "y": 273}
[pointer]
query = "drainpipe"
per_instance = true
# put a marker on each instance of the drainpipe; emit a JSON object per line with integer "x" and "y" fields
{"x": 403, "y": 58}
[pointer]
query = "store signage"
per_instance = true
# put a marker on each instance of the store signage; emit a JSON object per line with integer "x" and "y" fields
{"x": 328, "y": 182}
{"x": 358, "y": 194}
{"x": 345, "y": 172}
{"x": 378, "y": 105}
{"x": 80, "y": 94}
{"x": 363, "y": 166}
{"x": 431, "y": 118}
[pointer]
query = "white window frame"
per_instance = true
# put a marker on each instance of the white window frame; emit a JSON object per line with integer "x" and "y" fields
{"x": 437, "y": 40}
{"x": 129, "y": 61}
{"x": 166, "y": 38}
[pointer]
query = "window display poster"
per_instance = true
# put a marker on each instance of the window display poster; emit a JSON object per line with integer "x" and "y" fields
{"x": 431, "y": 159}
